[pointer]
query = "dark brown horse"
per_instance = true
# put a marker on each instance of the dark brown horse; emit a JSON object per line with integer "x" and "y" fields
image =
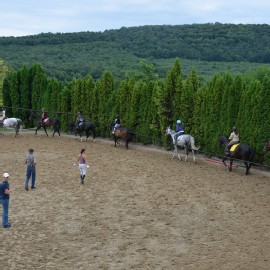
{"x": 241, "y": 152}
{"x": 86, "y": 127}
{"x": 122, "y": 133}
{"x": 267, "y": 147}
{"x": 49, "y": 122}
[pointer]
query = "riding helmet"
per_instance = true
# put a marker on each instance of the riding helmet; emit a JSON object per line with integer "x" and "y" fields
{"x": 178, "y": 122}
{"x": 234, "y": 128}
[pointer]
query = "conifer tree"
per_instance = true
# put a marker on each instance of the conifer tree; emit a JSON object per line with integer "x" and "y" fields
{"x": 25, "y": 93}
{"x": 38, "y": 85}
{"x": 106, "y": 88}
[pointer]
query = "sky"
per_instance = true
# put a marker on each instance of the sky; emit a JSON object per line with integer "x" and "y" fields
{"x": 31, "y": 17}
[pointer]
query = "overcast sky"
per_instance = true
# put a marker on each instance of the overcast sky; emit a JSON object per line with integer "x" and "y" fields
{"x": 28, "y": 17}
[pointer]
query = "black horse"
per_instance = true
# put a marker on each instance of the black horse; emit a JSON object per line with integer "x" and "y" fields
{"x": 241, "y": 151}
{"x": 122, "y": 133}
{"x": 50, "y": 122}
{"x": 79, "y": 128}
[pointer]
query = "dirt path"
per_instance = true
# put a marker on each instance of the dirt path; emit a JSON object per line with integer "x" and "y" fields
{"x": 138, "y": 209}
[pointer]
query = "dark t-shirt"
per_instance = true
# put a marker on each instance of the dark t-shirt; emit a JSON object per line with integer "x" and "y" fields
{"x": 3, "y": 186}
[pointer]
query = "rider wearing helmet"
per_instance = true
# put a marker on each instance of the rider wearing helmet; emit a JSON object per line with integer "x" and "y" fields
{"x": 116, "y": 123}
{"x": 234, "y": 138}
{"x": 79, "y": 120}
{"x": 179, "y": 130}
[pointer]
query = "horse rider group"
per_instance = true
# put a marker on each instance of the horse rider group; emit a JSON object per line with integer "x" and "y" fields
{"x": 234, "y": 136}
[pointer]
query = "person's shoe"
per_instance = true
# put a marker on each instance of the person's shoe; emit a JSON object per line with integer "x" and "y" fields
{"x": 7, "y": 226}
{"x": 33, "y": 187}
{"x": 26, "y": 189}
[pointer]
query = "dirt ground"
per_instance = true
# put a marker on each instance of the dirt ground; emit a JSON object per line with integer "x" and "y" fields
{"x": 138, "y": 209}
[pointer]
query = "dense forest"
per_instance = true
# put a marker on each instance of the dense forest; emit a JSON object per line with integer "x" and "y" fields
{"x": 210, "y": 48}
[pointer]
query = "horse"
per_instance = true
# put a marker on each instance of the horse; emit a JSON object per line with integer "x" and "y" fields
{"x": 266, "y": 147}
{"x": 86, "y": 127}
{"x": 49, "y": 122}
{"x": 238, "y": 151}
{"x": 186, "y": 141}
{"x": 15, "y": 123}
{"x": 122, "y": 133}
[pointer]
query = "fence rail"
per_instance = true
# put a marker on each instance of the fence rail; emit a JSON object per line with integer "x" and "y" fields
{"x": 146, "y": 139}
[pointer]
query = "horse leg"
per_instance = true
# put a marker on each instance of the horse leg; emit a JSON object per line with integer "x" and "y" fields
{"x": 175, "y": 151}
{"x": 38, "y": 127}
{"x": 57, "y": 130}
{"x": 186, "y": 153}
{"x": 223, "y": 161}
{"x": 115, "y": 141}
{"x": 248, "y": 165}
{"x": 230, "y": 166}
{"x": 45, "y": 130}
{"x": 87, "y": 135}
{"x": 193, "y": 154}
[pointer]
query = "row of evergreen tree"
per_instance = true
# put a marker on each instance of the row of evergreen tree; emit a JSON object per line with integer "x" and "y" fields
{"x": 148, "y": 104}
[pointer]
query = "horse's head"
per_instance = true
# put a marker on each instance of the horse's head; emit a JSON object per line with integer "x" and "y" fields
{"x": 111, "y": 126}
{"x": 70, "y": 127}
{"x": 31, "y": 117}
{"x": 222, "y": 140}
{"x": 168, "y": 131}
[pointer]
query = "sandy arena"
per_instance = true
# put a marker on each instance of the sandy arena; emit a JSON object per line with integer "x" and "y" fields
{"x": 138, "y": 209}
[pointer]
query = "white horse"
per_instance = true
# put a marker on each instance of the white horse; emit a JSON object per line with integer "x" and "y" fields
{"x": 15, "y": 123}
{"x": 185, "y": 140}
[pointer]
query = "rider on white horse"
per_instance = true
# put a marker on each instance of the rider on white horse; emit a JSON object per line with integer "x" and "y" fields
{"x": 179, "y": 130}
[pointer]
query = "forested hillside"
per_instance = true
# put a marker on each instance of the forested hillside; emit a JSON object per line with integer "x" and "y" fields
{"x": 227, "y": 47}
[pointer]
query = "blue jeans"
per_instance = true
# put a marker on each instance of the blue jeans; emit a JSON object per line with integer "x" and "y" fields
{"x": 30, "y": 171}
{"x": 5, "y": 204}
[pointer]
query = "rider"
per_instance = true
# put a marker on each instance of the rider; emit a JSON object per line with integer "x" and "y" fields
{"x": 179, "y": 130}
{"x": 116, "y": 123}
{"x": 79, "y": 120}
{"x": 234, "y": 138}
{"x": 44, "y": 115}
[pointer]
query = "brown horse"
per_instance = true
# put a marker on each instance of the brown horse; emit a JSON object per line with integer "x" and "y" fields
{"x": 50, "y": 122}
{"x": 122, "y": 133}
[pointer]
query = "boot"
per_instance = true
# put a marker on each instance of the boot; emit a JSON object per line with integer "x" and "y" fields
{"x": 83, "y": 179}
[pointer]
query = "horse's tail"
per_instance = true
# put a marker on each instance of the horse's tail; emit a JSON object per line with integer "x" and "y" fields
{"x": 192, "y": 142}
{"x": 94, "y": 131}
{"x": 251, "y": 155}
{"x": 20, "y": 123}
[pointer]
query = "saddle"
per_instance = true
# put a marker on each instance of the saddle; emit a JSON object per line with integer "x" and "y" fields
{"x": 46, "y": 120}
{"x": 233, "y": 147}
{"x": 79, "y": 123}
